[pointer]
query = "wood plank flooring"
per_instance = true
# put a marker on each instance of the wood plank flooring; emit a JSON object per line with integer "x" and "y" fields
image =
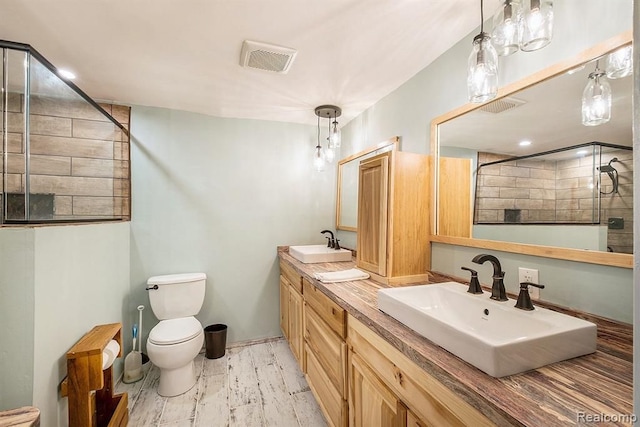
{"x": 257, "y": 385}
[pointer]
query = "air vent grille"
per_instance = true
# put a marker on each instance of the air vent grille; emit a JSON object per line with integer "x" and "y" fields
{"x": 266, "y": 57}
{"x": 502, "y": 105}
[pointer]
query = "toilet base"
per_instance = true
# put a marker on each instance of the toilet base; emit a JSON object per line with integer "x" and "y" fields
{"x": 177, "y": 381}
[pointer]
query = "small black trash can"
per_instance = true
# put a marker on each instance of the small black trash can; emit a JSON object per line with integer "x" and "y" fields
{"x": 215, "y": 340}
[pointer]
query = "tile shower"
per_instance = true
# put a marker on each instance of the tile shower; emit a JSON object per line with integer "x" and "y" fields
{"x": 65, "y": 158}
{"x": 559, "y": 189}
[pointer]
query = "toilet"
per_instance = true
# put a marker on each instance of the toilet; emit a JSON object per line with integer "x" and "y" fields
{"x": 174, "y": 343}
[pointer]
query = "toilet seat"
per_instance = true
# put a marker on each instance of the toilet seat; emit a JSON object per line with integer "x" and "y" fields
{"x": 175, "y": 331}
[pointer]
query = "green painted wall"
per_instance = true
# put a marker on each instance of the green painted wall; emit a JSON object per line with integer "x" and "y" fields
{"x": 16, "y": 317}
{"x": 217, "y": 196}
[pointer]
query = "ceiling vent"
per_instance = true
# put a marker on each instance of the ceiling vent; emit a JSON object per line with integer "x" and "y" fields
{"x": 266, "y": 57}
{"x": 502, "y": 105}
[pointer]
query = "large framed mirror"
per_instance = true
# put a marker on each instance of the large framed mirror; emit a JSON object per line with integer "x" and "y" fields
{"x": 541, "y": 113}
{"x": 347, "y": 183}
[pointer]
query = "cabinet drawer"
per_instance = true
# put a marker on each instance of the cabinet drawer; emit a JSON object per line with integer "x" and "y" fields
{"x": 292, "y": 276}
{"x": 332, "y": 404}
{"x": 430, "y": 400}
{"x": 328, "y": 310}
{"x": 329, "y": 349}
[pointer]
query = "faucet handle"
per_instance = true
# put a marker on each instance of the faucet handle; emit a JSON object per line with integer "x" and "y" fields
{"x": 524, "y": 300}
{"x": 337, "y": 245}
{"x": 474, "y": 284}
{"x": 328, "y": 242}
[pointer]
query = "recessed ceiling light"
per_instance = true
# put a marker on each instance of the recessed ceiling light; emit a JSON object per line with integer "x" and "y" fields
{"x": 525, "y": 143}
{"x": 66, "y": 74}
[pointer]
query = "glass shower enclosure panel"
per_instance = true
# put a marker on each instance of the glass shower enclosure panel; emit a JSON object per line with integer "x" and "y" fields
{"x": 65, "y": 159}
{"x": 14, "y": 125}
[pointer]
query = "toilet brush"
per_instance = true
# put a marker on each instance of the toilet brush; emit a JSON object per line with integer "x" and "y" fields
{"x": 133, "y": 362}
{"x": 145, "y": 358}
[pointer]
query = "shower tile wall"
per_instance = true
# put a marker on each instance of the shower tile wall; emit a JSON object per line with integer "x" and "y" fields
{"x": 77, "y": 155}
{"x": 556, "y": 191}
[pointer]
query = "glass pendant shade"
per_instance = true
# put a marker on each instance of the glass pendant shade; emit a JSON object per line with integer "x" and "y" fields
{"x": 482, "y": 75}
{"x": 334, "y": 137}
{"x": 596, "y": 100}
{"x": 536, "y": 25}
{"x": 329, "y": 155}
{"x": 505, "y": 35}
{"x": 620, "y": 63}
{"x": 318, "y": 159}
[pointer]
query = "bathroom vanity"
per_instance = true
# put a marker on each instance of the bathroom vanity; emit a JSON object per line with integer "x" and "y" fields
{"x": 367, "y": 369}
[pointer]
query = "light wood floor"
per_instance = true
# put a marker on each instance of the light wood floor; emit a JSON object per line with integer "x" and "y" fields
{"x": 253, "y": 385}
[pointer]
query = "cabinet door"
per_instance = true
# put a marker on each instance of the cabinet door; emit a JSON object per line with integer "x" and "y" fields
{"x": 295, "y": 324}
{"x": 373, "y": 194}
{"x": 371, "y": 403}
{"x": 284, "y": 306}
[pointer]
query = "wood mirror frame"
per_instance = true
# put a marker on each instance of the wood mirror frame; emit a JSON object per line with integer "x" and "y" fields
{"x": 579, "y": 255}
{"x": 393, "y": 143}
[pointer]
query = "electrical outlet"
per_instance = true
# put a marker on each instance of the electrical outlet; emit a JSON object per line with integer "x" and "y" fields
{"x": 530, "y": 275}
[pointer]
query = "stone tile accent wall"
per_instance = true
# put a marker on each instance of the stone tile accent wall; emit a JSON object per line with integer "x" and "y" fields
{"x": 76, "y": 154}
{"x": 527, "y": 185}
{"x": 548, "y": 191}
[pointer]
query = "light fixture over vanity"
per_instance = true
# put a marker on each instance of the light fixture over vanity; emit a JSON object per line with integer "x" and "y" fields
{"x": 323, "y": 156}
{"x": 526, "y": 25}
{"x": 482, "y": 77}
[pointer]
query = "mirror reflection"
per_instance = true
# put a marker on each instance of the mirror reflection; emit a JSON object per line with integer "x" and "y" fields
{"x": 347, "y": 191}
{"x": 526, "y": 199}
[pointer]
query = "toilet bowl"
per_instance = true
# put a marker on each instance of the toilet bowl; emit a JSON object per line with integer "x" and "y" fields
{"x": 174, "y": 343}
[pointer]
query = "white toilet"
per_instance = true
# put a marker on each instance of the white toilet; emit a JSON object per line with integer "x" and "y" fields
{"x": 177, "y": 339}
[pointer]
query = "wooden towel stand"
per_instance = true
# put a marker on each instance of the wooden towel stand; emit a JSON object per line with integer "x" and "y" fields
{"x": 89, "y": 388}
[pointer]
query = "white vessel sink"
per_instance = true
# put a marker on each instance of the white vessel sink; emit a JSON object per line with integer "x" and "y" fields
{"x": 310, "y": 254}
{"x": 493, "y": 336}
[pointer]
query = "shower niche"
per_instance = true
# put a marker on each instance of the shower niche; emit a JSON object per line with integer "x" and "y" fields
{"x": 588, "y": 185}
{"x": 65, "y": 157}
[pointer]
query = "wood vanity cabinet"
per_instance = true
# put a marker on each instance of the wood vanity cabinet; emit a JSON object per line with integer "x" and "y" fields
{"x": 291, "y": 306}
{"x": 393, "y": 217}
{"x": 404, "y": 393}
{"x": 326, "y": 353}
{"x": 371, "y": 402}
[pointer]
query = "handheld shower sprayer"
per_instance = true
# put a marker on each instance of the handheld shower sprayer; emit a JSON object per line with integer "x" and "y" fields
{"x": 613, "y": 175}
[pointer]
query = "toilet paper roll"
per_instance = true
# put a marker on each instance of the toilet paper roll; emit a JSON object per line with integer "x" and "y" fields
{"x": 109, "y": 354}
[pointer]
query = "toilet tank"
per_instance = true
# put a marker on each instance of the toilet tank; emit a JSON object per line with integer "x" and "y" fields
{"x": 178, "y": 295}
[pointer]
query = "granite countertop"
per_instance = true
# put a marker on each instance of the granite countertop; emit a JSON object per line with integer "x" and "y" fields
{"x": 556, "y": 394}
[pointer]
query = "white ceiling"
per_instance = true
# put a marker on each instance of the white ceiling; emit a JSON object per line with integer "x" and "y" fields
{"x": 185, "y": 54}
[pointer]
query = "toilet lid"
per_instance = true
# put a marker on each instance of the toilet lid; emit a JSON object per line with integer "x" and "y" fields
{"x": 174, "y": 331}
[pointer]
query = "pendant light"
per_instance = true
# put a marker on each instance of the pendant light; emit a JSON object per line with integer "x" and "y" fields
{"x": 536, "y": 25}
{"x": 596, "y": 99}
{"x": 318, "y": 154}
{"x": 329, "y": 153}
{"x": 482, "y": 74}
{"x": 620, "y": 63}
{"x": 322, "y": 157}
{"x": 335, "y": 139}
{"x": 505, "y": 35}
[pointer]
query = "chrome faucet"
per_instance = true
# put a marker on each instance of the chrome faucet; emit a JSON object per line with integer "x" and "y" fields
{"x": 332, "y": 242}
{"x": 498, "y": 291}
